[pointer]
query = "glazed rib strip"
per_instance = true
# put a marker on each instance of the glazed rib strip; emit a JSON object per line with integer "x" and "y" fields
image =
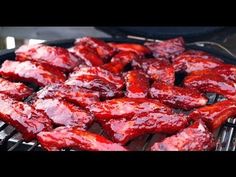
{"x": 79, "y": 96}
{"x": 103, "y": 49}
{"x": 158, "y": 70}
{"x": 216, "y": 114}
{"x": 123, "y": 130}
{"x": 168, "y": 48}
{"x": 193, "y": 60}
{"x": 74, "y": 138}
{"x": 95, "y": 83}
{"x": 212, "y": 83}
{"x": 194, "y": 138}
{"x": 28, "y": 71}
{"x": 119, "y": 61}
{"x": 125, "y": 108}
{"x": 23, "y": 117}
{"x": 137, "y": 48}
{"x": 137, "y": 84}
{"x": 64, "y": 113}
{"x": 54, "y": 56}
{"x": 99, "y": 72}
{"x": 177, "y": 97}
{"x": 18, "y": 91}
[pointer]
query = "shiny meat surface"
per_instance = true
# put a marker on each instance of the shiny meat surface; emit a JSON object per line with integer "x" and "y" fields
{"x": 75, "y": 138}
{"x": 193, "y": 138}
{"x": 28, "y": 71}
{"x": 168, "y": 48}
{"x": 139, "y": 49}
{"x": 64, "y": 113}
{"x": 125, "y": 108}
{"x": 102, "y": 48}
{"x": 137, "y": 84}
{"x": 216, "y": 114}
{"x": 23, "y": 117}
{"x": 193, "y": 60}
{"x": 211, "y": 83}
{"x": 177, "y": 97}
{"x": 119, "y": 61}
{"x": 54, "y": 56}
{"x": 158, "y": 70}
{"x": 79, "y": 96}
{"x": 123, "y": 130}
{"x": 18, "y": 91}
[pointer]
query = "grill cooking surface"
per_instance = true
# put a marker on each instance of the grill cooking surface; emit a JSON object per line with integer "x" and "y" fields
{"x": 11, "y": 140}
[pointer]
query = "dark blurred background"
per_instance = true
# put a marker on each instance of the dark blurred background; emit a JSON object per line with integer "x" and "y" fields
{"x": 11, "y": 37}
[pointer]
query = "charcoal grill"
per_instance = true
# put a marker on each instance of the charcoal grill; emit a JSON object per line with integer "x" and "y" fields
{"x": 11, "y": 140}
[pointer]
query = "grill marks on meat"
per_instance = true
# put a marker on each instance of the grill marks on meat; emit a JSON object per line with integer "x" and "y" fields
{"x": 23, "y": 117}
{"x": 28, "y": 71}
{"x": 75, "y": 138}
{"x": 79, "y": 96}
{"x": 193, "y": 138}
{"x": 177, "y": 97}
{"x": 54, "y": 56}
{"x": 211, "y": 83}
{"x": 18, "y": 91}
{"x": 64, "y": 113}
{"x": 193, "y": 60}
{"x": 158, "y": 70}
{"x": 216, "y": 114}
{"x": 123, "y": 130}
{"x": 168, "y": 48}
{"x": 137, "y": 84}
{"x": 125, "y": 108}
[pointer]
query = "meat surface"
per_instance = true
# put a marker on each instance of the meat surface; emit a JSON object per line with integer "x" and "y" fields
{"x": 119, "y": 61}
{"x": 102, "y": 48}
{"x": 123, "y": 130}
{"x": 108, "y": 84}
{"x": 177, "y": 97}
{"x": 137, "y": 84}
{"x": 168, "y": 48}
{"x": 64, "y": 113}
{"x": 139, "y": 49}
{"x": 125, "y": 108}
{"x": 99, "y": 72}
{"x": 216, "y": 114}
{"x": 158, "y": 70}
{"x": 193, "y": 138}
{"x": 55, "y": 56}
{"x": 88, "y": 55}
{"x": 75, "y": 138}
{"x": 193, "y": 60}
{"x": 211, "y": 83}
{"x": 79, "y": 96}
{"x": 23, "y": 117}
{"x": 18, "y": 91}
{"x": 227, "y": 71}
{"x": 106, "y": 89}
{"x": 28, "y": 71}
